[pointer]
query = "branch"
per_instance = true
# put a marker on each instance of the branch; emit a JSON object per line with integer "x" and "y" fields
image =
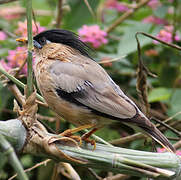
{"x": 120, "y": 160}
{"x": 59, "y": 14}
{"x": 90, "y": 9}
{"x": 163, "y": 42}
{"x": 6, "y": 1}
{"x": 126, "y": 15}
{"x": 18, "y": 82}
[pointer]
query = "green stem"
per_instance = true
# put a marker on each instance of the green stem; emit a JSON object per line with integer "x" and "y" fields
{"x": 13, "y": 160}
{"x": 30, "y": 46}
{"x": 18, "y": 82}
{"x": 98, "y": 139}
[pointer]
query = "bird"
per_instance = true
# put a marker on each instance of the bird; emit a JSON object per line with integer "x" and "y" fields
{"x": 79, "y": 90}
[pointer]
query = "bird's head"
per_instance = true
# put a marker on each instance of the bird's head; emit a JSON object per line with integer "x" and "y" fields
{"x": 59, "y": 36}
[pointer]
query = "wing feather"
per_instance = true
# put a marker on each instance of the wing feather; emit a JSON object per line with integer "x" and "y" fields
{"x": 97, "y": 89}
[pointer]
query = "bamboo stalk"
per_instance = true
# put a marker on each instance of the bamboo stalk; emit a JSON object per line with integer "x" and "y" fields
{"x": 18, "y": 82}
{"x": 30, "y": 47}
{"x": 136, "y": 163}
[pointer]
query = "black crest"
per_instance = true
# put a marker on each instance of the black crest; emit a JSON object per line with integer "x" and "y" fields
{"x": 64, "y": 37}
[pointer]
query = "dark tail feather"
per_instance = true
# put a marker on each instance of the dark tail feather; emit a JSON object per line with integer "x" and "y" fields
{"x": 159, "y": 137}
{"x": 145, "y": 124}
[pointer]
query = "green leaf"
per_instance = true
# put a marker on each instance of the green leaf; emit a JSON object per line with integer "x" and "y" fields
{"x": 3, "y": 160}
{"x": 108, "y": 134}
{"x": 79, "y": 14}
{"x": 168, "y": 74}
{"x": 161, "y": 11}
{"x": 128, "y": 42}
{"x": 175, "y": 103}
{"x": 159, "y": 94}
{"x": 5, "y": 95}
{"x": 26, "y": 160}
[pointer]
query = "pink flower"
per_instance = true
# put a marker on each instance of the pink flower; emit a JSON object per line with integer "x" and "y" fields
{"x": 16, "y": 58}
{"x": 114, "y": 4}
{"x": 154, "y": 4}
{"x": 22, "y": 28}
{"x": 166, "y": 35}
{"x": 178, "y": 152}
{"x": 93, "y": 35}
{"x": 10, "y": 13}
{"x": 155, "y": 20}
{"x": 161, "y": 150}
{"x": 3, "y": 36}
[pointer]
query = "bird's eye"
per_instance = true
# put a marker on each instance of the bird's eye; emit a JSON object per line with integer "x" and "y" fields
{"x": 43, "y": 41}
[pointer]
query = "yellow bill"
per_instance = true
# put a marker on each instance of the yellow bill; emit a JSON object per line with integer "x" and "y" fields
{"x": 22, "y": 40}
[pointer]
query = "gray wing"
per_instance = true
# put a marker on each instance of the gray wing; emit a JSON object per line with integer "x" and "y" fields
{"x": 89, "y": 85}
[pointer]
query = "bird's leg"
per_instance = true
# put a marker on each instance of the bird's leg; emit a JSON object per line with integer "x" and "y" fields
{"x": 86, "y": 138}
{"x": 70, "y": 132}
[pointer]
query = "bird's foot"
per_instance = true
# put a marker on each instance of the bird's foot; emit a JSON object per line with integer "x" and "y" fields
{"x": 70, "y": 133}
{"x": 86, "y": 138}
{"x": 91, "y": 141}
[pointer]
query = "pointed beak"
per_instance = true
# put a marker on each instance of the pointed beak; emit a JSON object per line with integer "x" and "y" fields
{"x": 22, "y": 40}
{"x": 25, "y": 41}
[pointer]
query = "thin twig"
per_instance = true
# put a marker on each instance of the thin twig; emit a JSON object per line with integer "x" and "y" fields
{"x": 16, "y": 92}
{"x": 126, "y": 15}
{"x": 163, "y": 42}
{"x": 59, "y": 14}
{"x": 33, "y": 167}
{"x": 170, "y": 118}
{"x": 18, "y": 82}
{"x": 167, "y": 126}
{"x": 94, "y": 174}
{"x": 6, "y": 1}
{"x": 90, "y": 8}
{"x": 175, "y": 5}
{"x": 112, "y": 60}
{"x": 70, "y": 171}
{"x": 20, "y": 68}
{"x": 39, "y": 12}
{"x": 127, "y": 139}
{"x": 177, "y": 145}
{"x": 141, "y": 85}
{"x": 173, "y": 138}
{"x": 46, "y": 118}
{"x": 10, "y": 34}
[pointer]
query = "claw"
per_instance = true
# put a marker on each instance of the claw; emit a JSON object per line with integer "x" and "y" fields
{"x": 69, "y": 133}
{"x": 91, "y": 141}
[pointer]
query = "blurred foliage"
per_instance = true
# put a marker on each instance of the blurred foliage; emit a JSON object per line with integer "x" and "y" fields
{"x": 164, "y": 92}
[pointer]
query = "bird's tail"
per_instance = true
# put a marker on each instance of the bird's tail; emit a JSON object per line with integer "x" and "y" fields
{"x": 154, "y": 133}
{"x": 147, "y": 126}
